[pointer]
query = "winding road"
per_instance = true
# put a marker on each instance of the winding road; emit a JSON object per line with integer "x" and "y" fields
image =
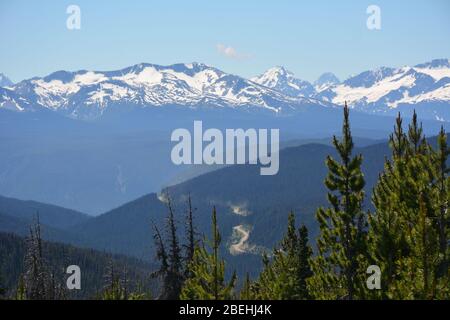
{"x": 241, "y": 246}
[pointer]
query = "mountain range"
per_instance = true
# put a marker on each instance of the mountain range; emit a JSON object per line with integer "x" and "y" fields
{"x": 425, "y": 87}
{"x": 92, "y": 141}
{"x": 90, "y": 94}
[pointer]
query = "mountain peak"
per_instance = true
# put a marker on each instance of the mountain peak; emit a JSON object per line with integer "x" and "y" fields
{"x": 5, "y": 81}
{"x": 327, "y": 79}
{"x": 280, "y": 70}
{"x": 274, "y": 75}
{"x": 283, "y": 80}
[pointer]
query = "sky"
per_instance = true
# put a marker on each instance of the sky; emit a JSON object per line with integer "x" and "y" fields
{"x": 243, "y": 37}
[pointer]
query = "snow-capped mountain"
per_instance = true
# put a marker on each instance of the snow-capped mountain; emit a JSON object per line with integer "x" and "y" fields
{"x": 425, "y": 87}
{"x": 326, "y": 81}
{"x": 280, "y": 79}
{"x": 5, "y": 81}
{"x": 88, "y": 94}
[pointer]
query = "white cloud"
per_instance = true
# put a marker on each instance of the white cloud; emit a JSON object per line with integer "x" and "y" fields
{"x": 231, "y": 52}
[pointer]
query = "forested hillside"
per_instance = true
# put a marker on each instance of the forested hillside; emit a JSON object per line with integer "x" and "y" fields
{"x": 53, "y": 216}
{"x": 94, "y": 265}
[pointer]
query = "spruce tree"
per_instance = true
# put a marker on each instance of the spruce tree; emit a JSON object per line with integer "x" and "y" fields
{"x": 339, "y": 268}
{"x": 208, "y": 271}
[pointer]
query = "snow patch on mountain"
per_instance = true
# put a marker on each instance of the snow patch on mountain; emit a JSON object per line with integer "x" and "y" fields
{"x": 437, "y": 74}
{"x": 283, "y": 80}
{"x": 383, "y": 90}
{"x": 89, "y": 94}
{"x": 325, "y": 81}
{"x": 379, "y": 89}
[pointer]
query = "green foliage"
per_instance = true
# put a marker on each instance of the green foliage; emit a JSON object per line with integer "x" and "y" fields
{"x": 339, "y": 268}
{"x": 247, "y": 291}
{"x": 208, "y": 271}
{"x": 20, "y": 292}
{"x": 409, "y": 230}
{"x": 284, "y": 278}
{"x": 115, "y": 291}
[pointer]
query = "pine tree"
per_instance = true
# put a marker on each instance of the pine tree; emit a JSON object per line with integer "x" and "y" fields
{"x": 406, "y": 234}
{"x": 277, "y": 280}
{"x": 21, "y": 290}
{"x": 170, "y": 256}
{"x": 175, "y": 273}
{"x": 208, "y": 271}
{"x": 39, "y": 282}
{"x": 285, "y": 276}
{"x": 339, "y": 267}
{"x": 140, "y": 293}
{"x": 191, "y": 238}
{"x": 304, "y": 268}
{"x": 442, "y": 222}
{"x": 161, "y": 256}
{"x": 247, "y": 290}
{"x": 387, "y": 237}
{"x": 114, "y": 288}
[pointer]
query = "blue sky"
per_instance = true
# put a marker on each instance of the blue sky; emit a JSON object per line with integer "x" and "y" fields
{"x": 307, "y": 37}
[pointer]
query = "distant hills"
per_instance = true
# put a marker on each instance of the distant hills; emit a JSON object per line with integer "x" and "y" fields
{"x": 49, "y": 215}
{"x": 247, "y": 203}
{"x": 243, "y": 198}
{"x": 94, "y": 167}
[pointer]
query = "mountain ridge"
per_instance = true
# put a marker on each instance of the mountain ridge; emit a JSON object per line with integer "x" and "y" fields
{"x": 88, "y": 95}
